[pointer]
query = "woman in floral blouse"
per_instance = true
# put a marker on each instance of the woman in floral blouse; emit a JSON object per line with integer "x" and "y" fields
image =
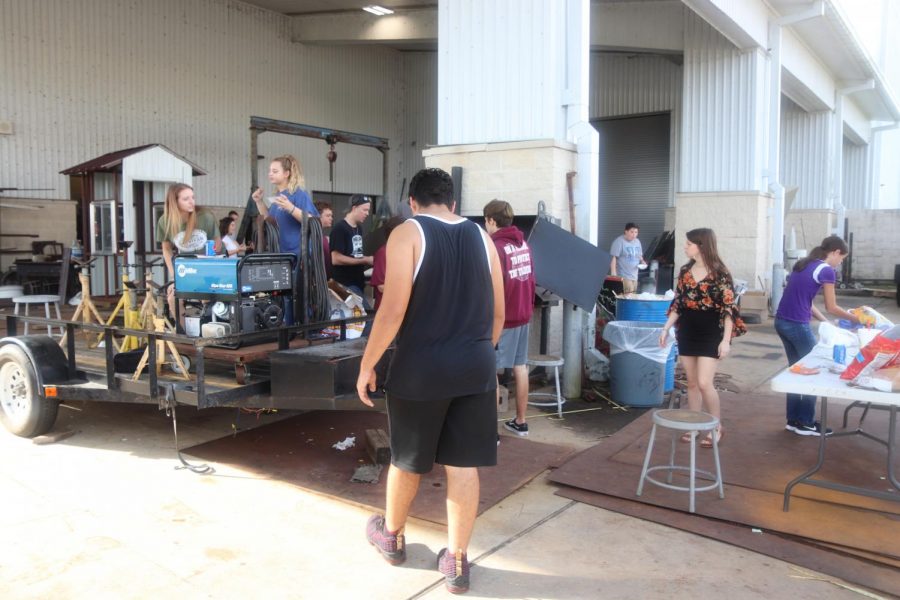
{"x": 706, "y": 319}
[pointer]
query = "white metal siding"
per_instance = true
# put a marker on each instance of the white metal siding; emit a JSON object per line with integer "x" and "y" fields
{"x": 855, "y": 179}
{"x": 805, "y": 151}
{"x": 723, "y": 131}
{"x": 80, "y": 79}
{"x": 634, "y": 84}
{"x": 419, "y": 74}
{"x": 502, "y": 71}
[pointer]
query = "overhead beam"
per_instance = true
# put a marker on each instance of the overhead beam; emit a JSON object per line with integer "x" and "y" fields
{"x": 638, "y": 26}
{"x": 261, "y": 124}
{"x": 744, "y": 23}
{"x": 418, "y": 25}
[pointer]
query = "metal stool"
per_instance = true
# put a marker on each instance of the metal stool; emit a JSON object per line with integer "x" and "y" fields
{"x": 681, "y": 420}
{"x": 46, "y": 300}
{"x": 547, "y": 360}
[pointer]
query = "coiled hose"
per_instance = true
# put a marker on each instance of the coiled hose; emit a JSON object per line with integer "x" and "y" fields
{"x": 317, "y": 294}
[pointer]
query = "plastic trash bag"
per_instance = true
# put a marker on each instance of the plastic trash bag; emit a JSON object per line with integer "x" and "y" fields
{"x": 638, "y": 337}
{"x": 869, "y": 317}
{"x": 596, "y": 365}
{"x": 831, "y": 335}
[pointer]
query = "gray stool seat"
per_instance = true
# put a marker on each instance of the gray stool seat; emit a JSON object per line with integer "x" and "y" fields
{"x": 679, "y": 420}
{"x": 46, "y": 300}
{"x": 547, "y": 398}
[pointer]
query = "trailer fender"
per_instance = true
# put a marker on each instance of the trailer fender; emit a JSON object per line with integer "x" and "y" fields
{"x": 48, "y": 359}
{"x": 27, "y": 364}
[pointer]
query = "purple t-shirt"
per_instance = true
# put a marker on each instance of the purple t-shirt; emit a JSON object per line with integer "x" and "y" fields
{"x": 802, "y": 287}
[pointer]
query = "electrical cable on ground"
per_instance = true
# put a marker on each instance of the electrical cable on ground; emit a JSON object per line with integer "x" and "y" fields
{"x": 169, "y": 401}
{"x": 553, "y": 415}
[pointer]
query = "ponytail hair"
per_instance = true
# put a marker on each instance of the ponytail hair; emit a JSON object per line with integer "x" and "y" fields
{"x": 292, "y": 165}
{"x": 820, "y": 252}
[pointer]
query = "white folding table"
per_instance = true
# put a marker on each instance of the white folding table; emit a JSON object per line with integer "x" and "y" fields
{"x": 829, "y": 385}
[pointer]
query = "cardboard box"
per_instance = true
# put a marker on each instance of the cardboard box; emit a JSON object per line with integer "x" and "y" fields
{"x": 754, "y": 300}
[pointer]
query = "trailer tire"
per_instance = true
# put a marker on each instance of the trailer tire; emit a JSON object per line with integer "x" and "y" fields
{"x": 24, "y": 411}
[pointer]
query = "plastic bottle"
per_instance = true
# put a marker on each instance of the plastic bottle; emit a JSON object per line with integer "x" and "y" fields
{"x": 77, "y": 250}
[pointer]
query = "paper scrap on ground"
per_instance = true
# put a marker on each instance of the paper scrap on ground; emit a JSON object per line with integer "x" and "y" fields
{"x": 367, "y": 474}
{"x": 347, "y": 443}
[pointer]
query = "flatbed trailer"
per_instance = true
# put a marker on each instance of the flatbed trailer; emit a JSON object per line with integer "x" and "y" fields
{"x": 37, "y": 374}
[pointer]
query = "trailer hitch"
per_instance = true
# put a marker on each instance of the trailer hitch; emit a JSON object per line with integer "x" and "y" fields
{"x": 167, "y": 403}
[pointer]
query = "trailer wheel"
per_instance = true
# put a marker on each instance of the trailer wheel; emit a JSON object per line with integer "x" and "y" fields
{"x": 23, "y": 410}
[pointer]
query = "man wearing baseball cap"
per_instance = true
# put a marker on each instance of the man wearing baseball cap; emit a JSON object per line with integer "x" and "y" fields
{"x": 349, "y": 264}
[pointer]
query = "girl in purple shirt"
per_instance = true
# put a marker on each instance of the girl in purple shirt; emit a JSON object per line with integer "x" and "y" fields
{"x": 811, "y": 274}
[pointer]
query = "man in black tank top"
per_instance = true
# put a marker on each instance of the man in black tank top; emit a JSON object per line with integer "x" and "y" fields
{"x": 443, "y": 302}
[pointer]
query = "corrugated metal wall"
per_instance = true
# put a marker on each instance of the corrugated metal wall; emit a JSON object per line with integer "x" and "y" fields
{"x": 805, "y": 144}
{"x": 634, "y": 176}
{"x": 635, "y": 84}
{"x": 80, "y": 79}
{"x": 509, "y": 85}
{"x": 855, "y": 176}
{"x": 723, "y": 129}
{"x": 419, "y": 74}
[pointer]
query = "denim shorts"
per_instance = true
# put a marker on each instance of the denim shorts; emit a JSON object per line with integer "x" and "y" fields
{"x": 512, "y": 350}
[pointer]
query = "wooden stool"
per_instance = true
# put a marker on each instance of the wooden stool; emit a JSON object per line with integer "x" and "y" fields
{"x": 682, "y": 420}
{"x": 557, "y": 400}
{"x": 46, "y": 300}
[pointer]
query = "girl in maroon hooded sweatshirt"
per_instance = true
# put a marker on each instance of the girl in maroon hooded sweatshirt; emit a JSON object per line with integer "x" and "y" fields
{"x": 518, "y": 289}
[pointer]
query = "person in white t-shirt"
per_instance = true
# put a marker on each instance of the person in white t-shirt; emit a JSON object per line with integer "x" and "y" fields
{"x": 227, "y": 228}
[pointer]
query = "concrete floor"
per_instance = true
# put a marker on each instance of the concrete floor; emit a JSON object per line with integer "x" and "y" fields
{"x": 106, "y": 514}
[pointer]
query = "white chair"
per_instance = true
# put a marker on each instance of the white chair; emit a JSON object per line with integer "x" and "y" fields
{"x": 546, "y": 398}
{"x": 682, "y": 420}
{"x": 46, "y": 300}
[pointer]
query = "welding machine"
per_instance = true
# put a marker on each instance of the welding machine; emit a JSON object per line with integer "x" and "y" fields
{"x": 229, "y": 296}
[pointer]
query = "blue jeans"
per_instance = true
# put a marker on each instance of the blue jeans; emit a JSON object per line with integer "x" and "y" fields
{"x": 798, "y": 340}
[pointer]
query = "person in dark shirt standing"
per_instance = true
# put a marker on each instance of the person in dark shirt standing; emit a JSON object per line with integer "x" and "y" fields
{"x": 348, "y": 262}
{"x": 443, "y": 302}
{"x": 518, "y": 288}
{"x": 326, "y": 217}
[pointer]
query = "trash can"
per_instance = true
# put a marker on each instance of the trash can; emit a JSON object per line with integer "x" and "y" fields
{"x": 650, "y": 310}
{"x": 637, "y": 365}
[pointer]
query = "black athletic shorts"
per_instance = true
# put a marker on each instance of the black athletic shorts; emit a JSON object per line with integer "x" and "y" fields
{"x": 456, "y": 432}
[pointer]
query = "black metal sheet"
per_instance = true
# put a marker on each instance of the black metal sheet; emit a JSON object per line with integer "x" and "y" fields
{"x": 567, "y": 265}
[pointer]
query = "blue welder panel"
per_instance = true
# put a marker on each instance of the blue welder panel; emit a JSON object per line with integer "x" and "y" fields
{"x": 206, "y": 276}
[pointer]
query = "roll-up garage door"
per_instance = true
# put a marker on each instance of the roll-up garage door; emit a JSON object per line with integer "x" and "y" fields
{"x": 634, "y": 176}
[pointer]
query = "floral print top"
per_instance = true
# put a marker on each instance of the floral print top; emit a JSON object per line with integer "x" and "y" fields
{"x": 714, "y": 293}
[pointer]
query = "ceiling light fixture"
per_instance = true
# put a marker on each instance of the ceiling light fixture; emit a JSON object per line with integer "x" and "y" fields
{"x": 378, "y": 11}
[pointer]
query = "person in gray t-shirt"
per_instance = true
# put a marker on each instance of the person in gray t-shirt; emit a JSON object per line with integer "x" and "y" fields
{"x": 627, "y": 254}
